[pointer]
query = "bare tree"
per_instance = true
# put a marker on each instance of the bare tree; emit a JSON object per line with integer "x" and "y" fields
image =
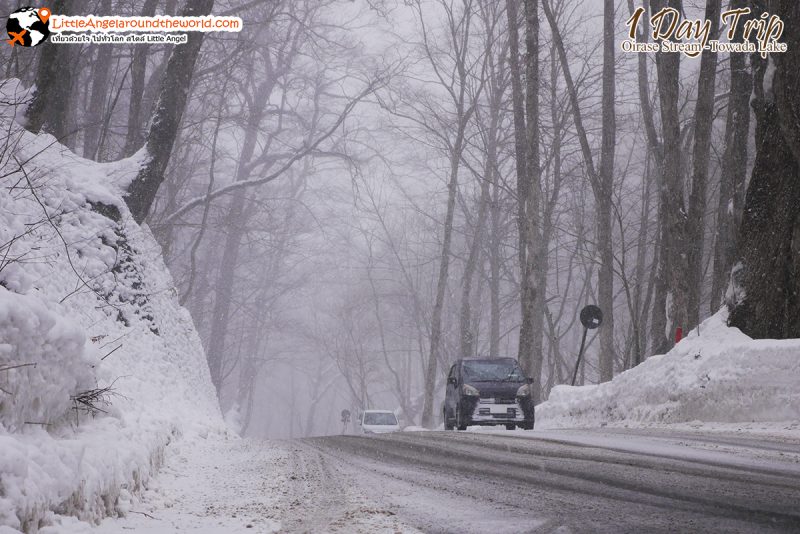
{"x": 604, "y": 193}
{"x": 703, "y": 121}
{"x": 526, "y": 126}
{"x": 764, "y": 294}
{"x": 167, "y": 116}
{"x": 49, "y": 106}
{"x": 674, "y": 229}
{"x": 734, "y": 169}
{"x": 659, "y": 341}
{"x": 489, "y": 131}
{"x": 453, "y": 71}
{"x": 133, "y": 139}
{"x": 602, "y": 183}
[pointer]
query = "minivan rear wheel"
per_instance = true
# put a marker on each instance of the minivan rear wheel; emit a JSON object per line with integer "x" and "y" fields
{"x": 511, "y": 427}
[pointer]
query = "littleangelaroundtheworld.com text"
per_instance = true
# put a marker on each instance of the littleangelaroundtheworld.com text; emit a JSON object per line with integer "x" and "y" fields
{"x": 163, "y": 23}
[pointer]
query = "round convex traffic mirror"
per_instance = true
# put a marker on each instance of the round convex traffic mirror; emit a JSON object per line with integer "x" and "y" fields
{"x": 591, "y": 317}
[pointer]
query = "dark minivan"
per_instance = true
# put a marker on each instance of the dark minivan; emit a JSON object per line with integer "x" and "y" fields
{"x": 488, "y": 392}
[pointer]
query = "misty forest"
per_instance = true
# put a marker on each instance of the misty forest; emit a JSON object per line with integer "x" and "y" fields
{"x": 351, "y": 195}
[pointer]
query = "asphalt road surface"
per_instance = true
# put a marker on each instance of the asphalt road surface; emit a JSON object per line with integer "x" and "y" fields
{"x": 567, "y": 481}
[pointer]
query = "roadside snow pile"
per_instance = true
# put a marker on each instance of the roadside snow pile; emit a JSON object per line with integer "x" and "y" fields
{"x": 43, "y": 359}
{"x": 720, "y": 375}
{"x": 100, "y": 367}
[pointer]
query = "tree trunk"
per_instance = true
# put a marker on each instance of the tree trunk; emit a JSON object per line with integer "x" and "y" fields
{"x": 532, "y": 324}
{"x": 518, "y": 105}
{"x": 441, "y": 284}
{"x": 167, "y": 116}
{"x": 605, "y": 275}
{"x": 549, "y": 204}
{"x": 463, "y": 114}
{"x": 488, "y": 203}
{"x": 526, "y": 135}
{"x": 223, "y": 289}
{"x": 703, "y": 121}
{"x": 133, "y": 139}
{"x": 659, "y": 342}
{"x": 79, "y": 68}
{"x": 675, "y": 267}
{"x": 465, "y": 319}
{"x": 100, "y": 75}
{"x": 397, "y": 383}
{"x": 49, "y": 107}
{"x": 734, "y": 169}
{"x": 520, "y": 158}
{"x": 494, "y": 273}
{"x": 642, "y": 293}
{"x": 764, "y": 295}
{"x": 235, "y": 223}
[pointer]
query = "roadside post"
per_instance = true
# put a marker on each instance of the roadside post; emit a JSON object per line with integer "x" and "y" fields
{"x": 679, "y": 334}
{"x": 591, "y": 318}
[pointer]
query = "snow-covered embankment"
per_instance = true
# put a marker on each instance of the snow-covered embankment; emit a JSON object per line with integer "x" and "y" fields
{"x": 716, "y": 374}
{"x": 100, "y": 367}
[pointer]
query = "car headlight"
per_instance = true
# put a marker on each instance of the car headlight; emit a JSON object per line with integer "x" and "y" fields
{"x": 470, "y": 391}
{"x": 524, "y": 391}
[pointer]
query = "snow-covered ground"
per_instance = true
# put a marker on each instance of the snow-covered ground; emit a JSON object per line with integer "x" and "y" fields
{"x": 717, "y": 377}
{"x": 365, "y": 484}
{"x": 214, "y": 486}
{"x": 207, "y": 486}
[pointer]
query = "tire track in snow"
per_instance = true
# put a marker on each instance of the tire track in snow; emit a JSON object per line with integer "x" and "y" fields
{"x": 546, "y": 477}
{"x": 322, "y": 499}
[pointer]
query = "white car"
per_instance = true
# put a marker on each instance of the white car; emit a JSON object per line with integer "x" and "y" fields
{"x": 378, "y": 422}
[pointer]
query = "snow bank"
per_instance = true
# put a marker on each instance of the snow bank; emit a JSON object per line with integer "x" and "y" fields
{"x": 719, "y": 375}
{"x": 43, "y": 359}
{"x": 86, "y": 303}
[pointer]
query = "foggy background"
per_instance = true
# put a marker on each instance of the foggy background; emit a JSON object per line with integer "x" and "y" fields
{"x": 313, "y": 287}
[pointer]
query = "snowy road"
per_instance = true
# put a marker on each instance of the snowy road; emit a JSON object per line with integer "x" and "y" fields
{"x": 562, "y": 481}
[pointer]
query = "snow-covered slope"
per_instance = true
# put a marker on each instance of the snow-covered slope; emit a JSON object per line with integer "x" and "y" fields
{"x": 716, "y": 375}
{"x": 86, "y": 303}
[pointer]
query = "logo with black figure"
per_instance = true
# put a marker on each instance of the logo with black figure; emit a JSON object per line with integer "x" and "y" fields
{"x": 28, "y": 26}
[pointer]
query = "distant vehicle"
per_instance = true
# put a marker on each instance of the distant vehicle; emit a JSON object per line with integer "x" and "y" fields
{"x": 488, "y": 392}
{"x": 378, "y": 422}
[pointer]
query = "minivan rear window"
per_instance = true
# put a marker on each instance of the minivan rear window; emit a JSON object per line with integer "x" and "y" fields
{"x": 489, "y": 371}
{"x": 380, "y": 419}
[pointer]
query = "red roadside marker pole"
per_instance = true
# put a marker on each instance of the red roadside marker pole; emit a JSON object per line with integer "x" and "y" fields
{"x": 678, "y": 335}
